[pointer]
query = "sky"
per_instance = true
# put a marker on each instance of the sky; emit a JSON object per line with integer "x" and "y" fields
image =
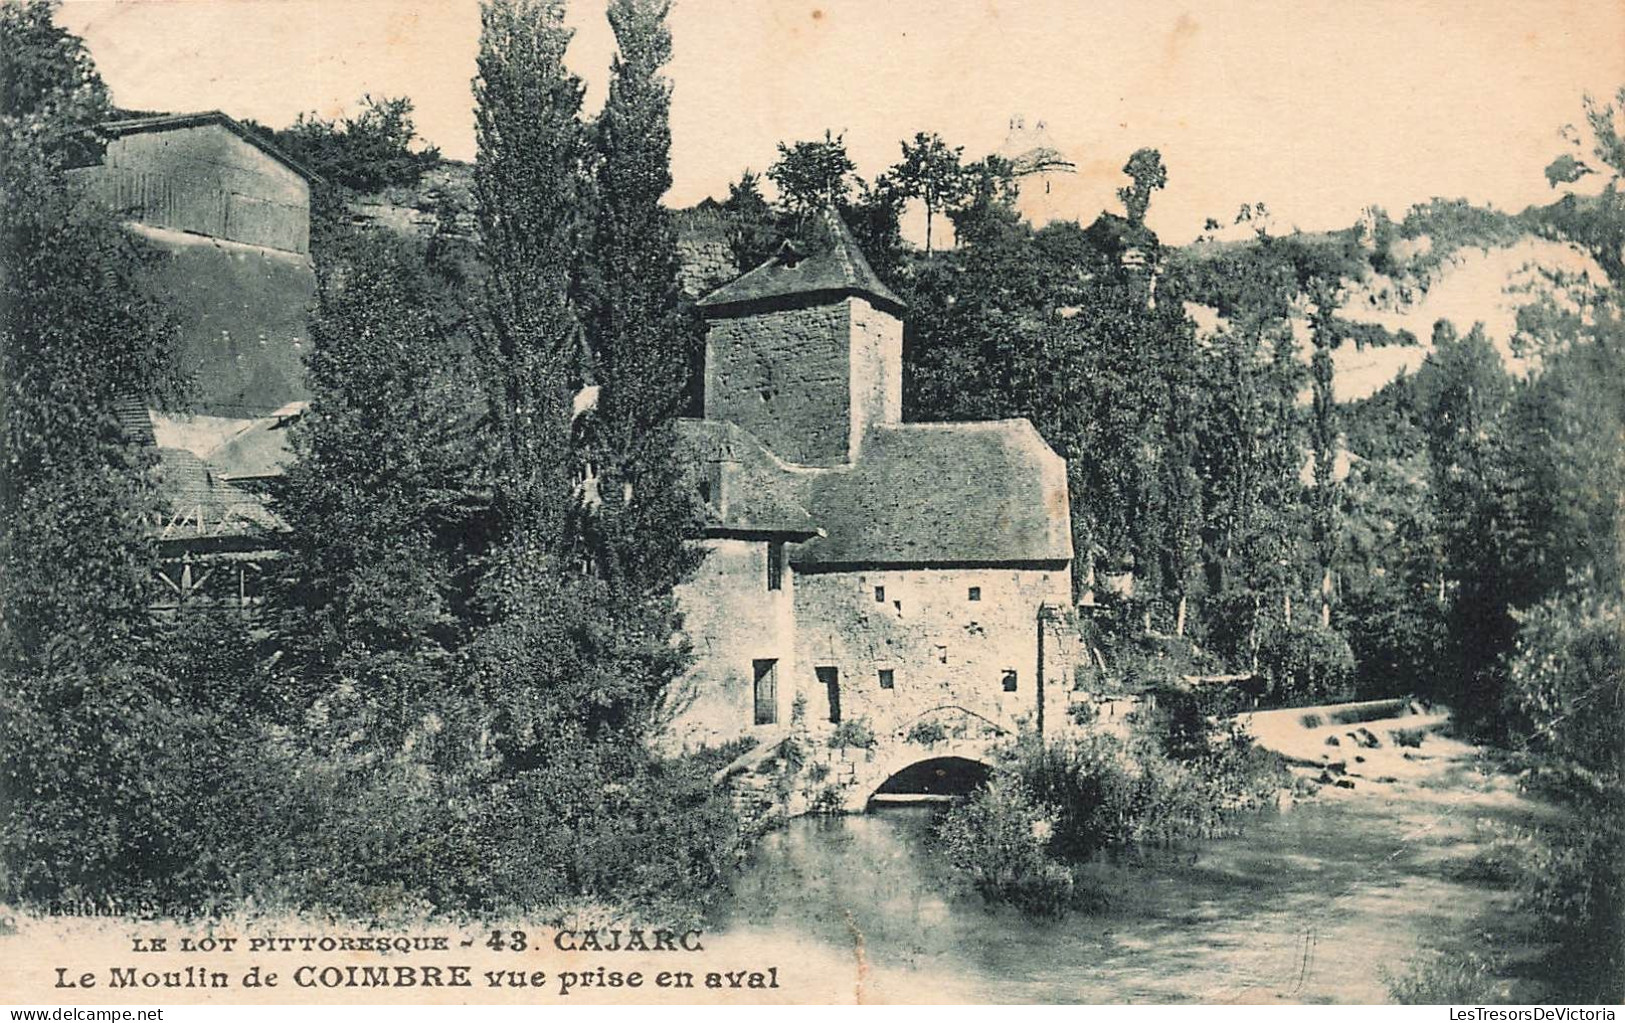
{"x": 1317, "y": 108}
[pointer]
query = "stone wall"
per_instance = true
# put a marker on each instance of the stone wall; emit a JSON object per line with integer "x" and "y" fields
{"x": 242, "y": 318}
{"x": 703, "y": 264}
{"x": 206, "y": 180}
{"x": 948, "y": 654}
{"x": 784, "y": 375}
{"x": 733, "y": 620}
{"x": 877, "y": 369}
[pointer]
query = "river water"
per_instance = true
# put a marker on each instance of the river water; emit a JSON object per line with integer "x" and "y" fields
{"x": 1311, "y": 904}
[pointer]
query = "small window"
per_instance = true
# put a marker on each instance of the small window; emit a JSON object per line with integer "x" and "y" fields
{"x": 767, "y": 691}
{"x": 775, "y": 565}
{"x": 705, "y": 491}
{"x": 1009, "y": 680}
{"x": 975, "y": 593}
{"x": 888, "y": 678}
{"x": 942, "y": 655}
{"x": 880, "y": 594}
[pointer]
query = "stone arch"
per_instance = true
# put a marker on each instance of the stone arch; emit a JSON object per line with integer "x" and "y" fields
{"x": 937, "y": 776}
{"x": 874, "y": 775}
{"x": 960, "y": 723}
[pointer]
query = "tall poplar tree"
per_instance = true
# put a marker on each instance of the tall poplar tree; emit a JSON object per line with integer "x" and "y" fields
{"x": 641, "y": 349}
{"x": 566, "y": 655}
{"x": 528, "y": 183}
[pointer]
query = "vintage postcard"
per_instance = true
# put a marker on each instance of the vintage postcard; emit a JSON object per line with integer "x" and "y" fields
{"x": 646, "y": 502}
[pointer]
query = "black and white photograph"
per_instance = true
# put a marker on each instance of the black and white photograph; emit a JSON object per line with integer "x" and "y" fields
{"x": 670, "y": 502}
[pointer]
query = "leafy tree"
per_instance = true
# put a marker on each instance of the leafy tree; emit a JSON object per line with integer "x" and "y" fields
{"x": 1147, "y": 175}
{"x": 379, "y": 497}
{"x": 932, "y": 172}
{"x": 568, "y": 664}
{"x": 1050, "y": 326}
{"x": 1391, "y": 561}
{"x": 1566, "y": 703}
{"x": 370, "y": 150}
{"x": 989, "y": 205}
{"x": 49, "y": 80}
{"x": 1563, "y": 698}
{"x": 1249, "y": 452}
{"x": 377, "y": 148}
{"x": 1465, "y": 397}
{"x": 753, "y": 230}
{"x": 1267, "y": 284}
{"x": 812, "y": 175}
{"x": 1597, "y": 223}
{"x": 82, "y": 716}
{"x": 80, "y": 331}
{"x": 1320, "y": 268}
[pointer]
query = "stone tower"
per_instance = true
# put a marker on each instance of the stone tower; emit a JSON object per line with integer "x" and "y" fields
{"x": 806, "y": 350}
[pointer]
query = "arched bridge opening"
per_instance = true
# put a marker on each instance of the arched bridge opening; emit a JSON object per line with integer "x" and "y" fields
{"x": 935, "y": 779}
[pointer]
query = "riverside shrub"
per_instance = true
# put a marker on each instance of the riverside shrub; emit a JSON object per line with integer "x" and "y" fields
{"x": 1306, "y": 664}
{"x": 1000, "y": 840}
{"x": 1050, "y": 805}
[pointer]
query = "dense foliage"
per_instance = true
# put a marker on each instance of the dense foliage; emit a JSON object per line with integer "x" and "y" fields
{"x": 445, "y": 704}
{"x": 78, "y": 333}
{"x": 375, "y": 148}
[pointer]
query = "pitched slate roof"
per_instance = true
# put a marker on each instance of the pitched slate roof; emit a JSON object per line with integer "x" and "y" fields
{"x": 133, "y": 418}
{"x": 830, "y": 264}
{"x": 943, "y": 493}
{"x": 746, "y": 488}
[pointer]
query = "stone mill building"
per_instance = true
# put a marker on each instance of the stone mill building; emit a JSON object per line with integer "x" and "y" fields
{"x": 861, "y": 568}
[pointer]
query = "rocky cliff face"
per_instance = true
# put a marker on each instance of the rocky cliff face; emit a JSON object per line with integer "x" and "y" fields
{"x": 1471, "y": 285}
{"x": 1431, "y": 275}
{"x": 443, "y": 199}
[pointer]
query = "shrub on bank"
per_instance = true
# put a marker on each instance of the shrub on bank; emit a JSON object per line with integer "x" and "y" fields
{"x": 1305, "y": 664}
{"x": 1456, "y": 978}
{"x": 1000, "y": 840}
{"x": 1053, "y": 804}
{"x": 1565, "y": 701}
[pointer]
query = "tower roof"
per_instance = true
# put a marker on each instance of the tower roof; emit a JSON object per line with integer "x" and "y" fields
{"x": 829, "y": 264}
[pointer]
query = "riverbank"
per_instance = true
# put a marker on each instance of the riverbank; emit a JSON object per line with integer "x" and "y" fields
{"x": 1330, "y": 899}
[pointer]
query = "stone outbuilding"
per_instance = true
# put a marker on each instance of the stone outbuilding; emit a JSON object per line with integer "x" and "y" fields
{"x": 225, "y": 216}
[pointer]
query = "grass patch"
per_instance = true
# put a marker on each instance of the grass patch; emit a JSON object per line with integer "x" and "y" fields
{"x": 1460, "y": 978}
